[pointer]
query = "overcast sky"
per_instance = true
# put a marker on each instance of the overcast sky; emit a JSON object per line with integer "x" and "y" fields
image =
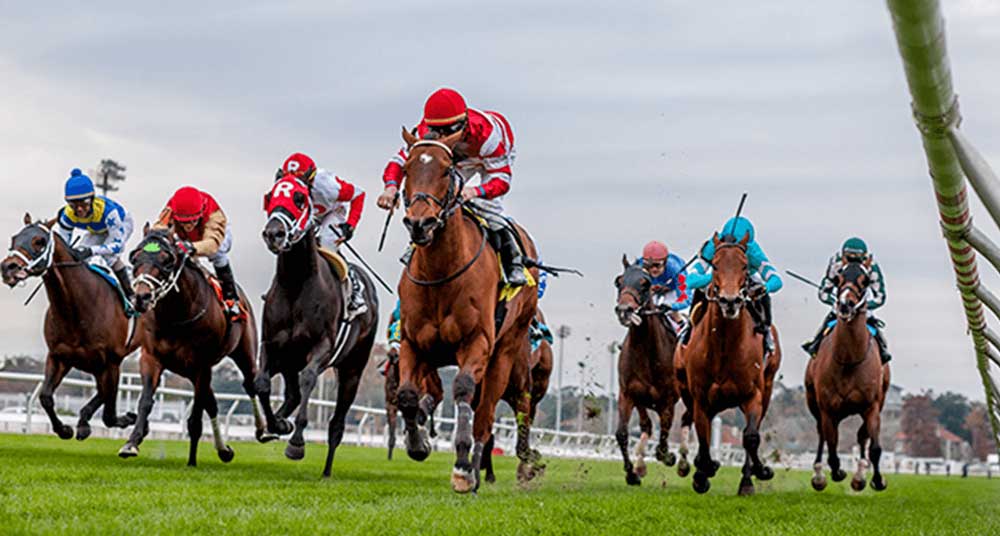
{"x": 643, "y": 121}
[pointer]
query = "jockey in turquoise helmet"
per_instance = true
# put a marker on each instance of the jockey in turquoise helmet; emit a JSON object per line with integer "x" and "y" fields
{"x": 854, "y": 250}
{"x": 107, "y": 226}
{"x": 763, "y": 276}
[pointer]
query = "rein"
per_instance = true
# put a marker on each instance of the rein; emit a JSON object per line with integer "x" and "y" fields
{"x": 451, "y": 277}
{"x": 451, "y": 201}
{"x": 159, "y": 287}
{"x": 744, "y": 295}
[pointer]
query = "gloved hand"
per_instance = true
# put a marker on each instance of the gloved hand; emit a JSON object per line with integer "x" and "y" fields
{"x": 185, "y": 246}
{"x": 83, "y": 252}
{"x": 346, "y": 231}
{"x": 388, "y": 199}
{"x": 757, "y": 292}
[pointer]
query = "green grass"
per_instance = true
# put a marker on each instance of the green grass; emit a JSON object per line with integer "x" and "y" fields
{"x": 53, "y": 486}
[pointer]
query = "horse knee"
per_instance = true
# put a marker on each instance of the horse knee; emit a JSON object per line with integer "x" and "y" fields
{"x": 465, "y": 387}
{"x": 307, "y": 376}
{"x": 45, "y": 399}
{"x": 407, "y": 399}
{"x": 751, "y": 441}
{"x": 621, "y": 435}
{"x": 262, "y": 384}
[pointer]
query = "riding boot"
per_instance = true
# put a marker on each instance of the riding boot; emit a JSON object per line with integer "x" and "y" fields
{"x": 883, "y": 346}
{"x": 126, "y": 283}
{"x": 760, "y": 311}
{"x": 698, "y": 306}
{"x": 229, "y": 292}
{"x": 354, "y": 291}
{"x": 812, "y": 346}
{"x": 510, "y": 255}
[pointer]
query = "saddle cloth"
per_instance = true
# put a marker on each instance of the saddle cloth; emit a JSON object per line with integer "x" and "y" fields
{"x": 106, "y": 275}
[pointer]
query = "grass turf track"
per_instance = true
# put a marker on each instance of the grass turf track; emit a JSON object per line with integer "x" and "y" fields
{"x": 52, "y": 486}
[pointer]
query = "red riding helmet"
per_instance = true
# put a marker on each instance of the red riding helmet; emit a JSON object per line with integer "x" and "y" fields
{"x": 444, "y": 107}
{"x": 187, "y": 204}
{"x": 301, "y": 166}
{"x": 655, "y": 251}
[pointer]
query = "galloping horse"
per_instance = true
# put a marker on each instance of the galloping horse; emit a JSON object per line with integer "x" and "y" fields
{"x": 186, "y": 330}
{"x": 450, "y": 296}
{"x": 847, "y": 377}
{"x": 430, "y": 386}
{"x": 85, "y": 324}
{"x": 724, "y": 365}
{"x": 304, "y": 331}
{"x": 646, "y": 377}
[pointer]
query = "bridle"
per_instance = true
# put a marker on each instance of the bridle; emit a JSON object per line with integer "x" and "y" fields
{"x": 711, "y": 293}
{"x": 452, "y": 198}
{"x": 295, "y": 228}
{"x": 159, "y": 287}
{"x": 852, "y": 288}
{"x": 43, "y": 258}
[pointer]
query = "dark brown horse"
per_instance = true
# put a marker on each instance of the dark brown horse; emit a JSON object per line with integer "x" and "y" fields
{"x": 724, "y": 366}
{"x": 847, "y": 377}
{"x": 449, "y": 297}
{"x": 646, "y": 379}
{"x": 432, "y": 393}
{"x": 186, "y": 330}
{"x": 85, "y": 324}
{"x": 304, "y": 330}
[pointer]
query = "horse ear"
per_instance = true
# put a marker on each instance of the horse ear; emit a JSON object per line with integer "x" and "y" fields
{"x": 716, "y": 240}
{"x": 27, "y": 218}
{"x": 145, "y": 229}
{"x": 409, "y": 138}
{"x": 452, "y": 139}
{"x": 745, "y": 240}
{"x": 625, "y": 262}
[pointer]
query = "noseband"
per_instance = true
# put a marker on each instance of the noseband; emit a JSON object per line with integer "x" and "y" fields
{"x": 295, "y": 228}
{"x": 847, "y": 288}
{"x": 744, "y": 295}
{"x": 43, "y": 258}
{"x": 452, "y": 198}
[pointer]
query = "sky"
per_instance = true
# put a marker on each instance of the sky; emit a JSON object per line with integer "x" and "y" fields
{"x": 639, "y": 122}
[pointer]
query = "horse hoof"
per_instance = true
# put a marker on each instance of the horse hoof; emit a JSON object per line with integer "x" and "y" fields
{"x": 128, "y": 451}
{"x": 281, "y": 427}
{"x": 879, "y": 484}
{"x": 418, "y": 447}
{"x": 390, "y": 456}
{"x": 746, "y": 488}
{"x": 491, "y": 478}
{"x": 700, "y": 482}
{"x": 295, "y": 452}
{"x": 763, "y": 473}
{"x": 418, "y": 455}
{"x": 127, "y": 420}
{"x": 715, "y": 468}
{"x": 640, "y": 469}
{"x": 669, "y": 459}
{"x": 818, "y": 482}
{"x": 226, "y": 454}
{"x": 264, "y": 436}
{"x": 82, "y": 432}
{"x": 858, "y": 484}
{"x": 632, "y": 479}
{"x": 526, "y": 472}
{"x": 462, "y": 481}
{"x": 838, "y": 475}
{"x": 65, "y": 432}
{"x": 683, "y": 468}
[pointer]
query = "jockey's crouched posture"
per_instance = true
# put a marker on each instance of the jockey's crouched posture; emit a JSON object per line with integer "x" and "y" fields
{"x": 486, "y": 151}
{"x": 337, "y": 206}
{"x": 199, "y": 223}
{"x": 763, "y": 278}
{"x": 669, "y": 279}
{"x": 853, "y": 250}
{"x": 106, "y": 224}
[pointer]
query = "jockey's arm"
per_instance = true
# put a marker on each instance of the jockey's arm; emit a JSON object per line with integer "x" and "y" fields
{"x": 63, "y": 226}
{"x": 115, "y": 242}
{"x": 392, "y": 179}
{"x": 213, "y": 235}
{"x": 877, "y": 287}
{"x": 498, "y": 173}
{"x": 827, "y": 288}
{"x": 701, "y": 275}
{"x": 356, "y": 195}
{"x": 757, "y": 258}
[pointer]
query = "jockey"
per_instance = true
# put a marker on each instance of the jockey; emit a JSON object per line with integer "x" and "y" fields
{"x": 106, "y": 223}
{"x": 337, "y": 206}
{"x": 764, "y": 278}
{"x": 669, "y": 278}
{"x": 853, "y": 250}
{"x": 486, "y": 151}
{"x": 199, "y": 223}
{"x": 393, "y": 335}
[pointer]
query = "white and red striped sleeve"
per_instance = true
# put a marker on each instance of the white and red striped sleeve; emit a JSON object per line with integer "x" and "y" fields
{"x": 356, "y": 195}
{"x": 393, "y": 174}
{"x": 497, "y": 155}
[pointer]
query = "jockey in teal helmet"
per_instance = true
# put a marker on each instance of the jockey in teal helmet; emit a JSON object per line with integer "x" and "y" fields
{"x": 764, "y": 277}
{"x": 106, "y": 225}
{"x": 853, "y": 250}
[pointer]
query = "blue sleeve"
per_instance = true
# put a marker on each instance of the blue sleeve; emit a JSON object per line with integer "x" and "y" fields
{"x": 701, "y": 275}
{"x": 759, "y": 263}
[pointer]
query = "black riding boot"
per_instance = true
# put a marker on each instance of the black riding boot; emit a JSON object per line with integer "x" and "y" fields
{"x": 883, "y": 346}
{"x": 812, "y": 346}
{"x": 510, "y": 255}
{"x": 698, "y": 302}
{"x": 760, "y": 311}
{"x": 126, "y": 283}
{"x": 229, "y": 292}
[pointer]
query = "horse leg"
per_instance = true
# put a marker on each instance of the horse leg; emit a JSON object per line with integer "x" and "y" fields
{"x": 874, "y": 423}
{"x": 108, "y": 388}
{"x": 819, "y": 479}
{"x": 858, "y": 480}
{"x": 296, "y": 448}
{"x": 150, "y": 369}
{"x": 491, "y": 477}
{"x": 705, "y": 467}
{"x": 262, "y": 385}
{"x": 752, "y": 466}
{"x": 347, "y": 389}
{"x": 55, "y": 371}
{"x": 390, "y": 415}
{"x": 683, "y": 467}
{"x": 86, "y": 412}
{"x": 831, "y": 436}
{"x": 433, "y": 395}
{"x": 646, "y": 430}
{"x": 194, "y": 420}
{"x": 211, "y": 407}
{"x": 293, "y": 397}
{"x": 663, "y": 453}
{"x": 473, "y": 372}
{"x": 418, "y": 446}
{"x": 621, "y": 435}
{"x": 244, "y": 359}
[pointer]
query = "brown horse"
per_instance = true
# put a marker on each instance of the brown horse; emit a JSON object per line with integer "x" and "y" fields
{"x": 847, "y": 377}
{"x": 186, "y": 330}
{"x": 432, "y": 393}
{"x": 724, "y": 366}
{"x": 449, "y": 296}
{"x": 85, "y": 324}
{"x": 646, "y": 379}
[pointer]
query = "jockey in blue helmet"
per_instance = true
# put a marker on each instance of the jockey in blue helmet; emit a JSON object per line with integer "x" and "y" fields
{"x": 106, "y": 226}
{"x": 764, "y": 278}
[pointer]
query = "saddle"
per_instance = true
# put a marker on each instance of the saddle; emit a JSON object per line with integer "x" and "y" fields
{"x": 217, "y": 290}
{"x": 337, "y": 263}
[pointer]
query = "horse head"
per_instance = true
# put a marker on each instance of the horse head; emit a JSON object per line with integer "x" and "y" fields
{"x": 30, "y": 253}
{"x": 156, "y": 265}
{"x": 633, "y": 293}
{"x": 289, "y": 213}
{"x": 730, "y": 275}
{"x": 852, "y": 283}
{"x": 432, "y": 189}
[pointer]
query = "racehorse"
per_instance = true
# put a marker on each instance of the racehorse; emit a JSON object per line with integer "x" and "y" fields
{"x": 450, "y": 296}
{"x": 186, "y": 330}
{"x": 85, "y": 325}
{"x": 847, "y": 377}
{"x": 304, "y": 328}
{"x": 724, "y": 366}
{"x": 646, "y": 379}
{"x": 430, "y": 386}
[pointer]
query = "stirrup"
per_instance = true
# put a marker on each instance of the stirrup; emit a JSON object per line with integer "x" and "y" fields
{"x": 515, "y": 276}
{"x": 234, "y": 311}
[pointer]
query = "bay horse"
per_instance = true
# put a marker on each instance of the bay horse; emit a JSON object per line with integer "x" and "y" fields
{"x": 646, "y": 379}
{"x": 86, "y": 326}
{"x": 186, "y": 330}
{"x": 304, "y": 330}
{"x": 450, "y": 293}
{"x": 724, "y": 366}
{"x": 847, "y": 377}
{"x": 432, "y": 395}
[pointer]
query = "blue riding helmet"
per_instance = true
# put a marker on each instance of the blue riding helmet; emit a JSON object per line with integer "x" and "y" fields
{"x": 738, "y": 228}
{"x": 78, "y": 186}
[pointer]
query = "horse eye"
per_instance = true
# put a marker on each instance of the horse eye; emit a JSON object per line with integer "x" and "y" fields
{"x": 299, "y": 199}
